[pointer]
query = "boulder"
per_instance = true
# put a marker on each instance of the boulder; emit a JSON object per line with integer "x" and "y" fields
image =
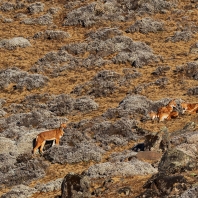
{"x": 145, "y": 26}
{"x": 35, "y": 8}
{"x": 75, "y": 186}
{"x": 131, "y": 168}
{"x": 161, "y": 185}
{"x": 176, "y": 161}
{"x": 13, "y": 43}
{"x": 20, "y": 191}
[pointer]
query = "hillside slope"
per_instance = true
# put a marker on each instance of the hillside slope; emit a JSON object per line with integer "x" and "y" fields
{"x": 100, "y": 66}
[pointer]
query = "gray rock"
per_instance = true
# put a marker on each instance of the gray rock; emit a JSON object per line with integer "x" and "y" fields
{"x": 36, "y": 8}
{"x": 176, "y": 161}
{"x": 7, "y": 146}
{"x": 189, "y": 149}
{"x": 134, "y": 167}
{"x": 85, "y": 104}
{"x": 160, "y": 185}
{"x": 25, "y": 170}
{"x": 46, "y": 19}
{"x": 75, "y": 185}
{"x": 104, "y": 33}
{"x": 145, "y": 26}
{"x": 50, "y": 186}
{"x": 20, "y": 16}
{"x": 101, "y": 85}
{"x": 15, "y": 42}
{"x": 190, "y": 70}
{"x": 185, "y": 135}
{"x": 193, "y": 91}
{"x": 7, "y": 160}
{"x": 32, "y": 81}
{"x": 20, "y": 191}
{"x": 8, "y": 20}
{"x": 81, "y": 152}
{"x": 180, "y": 36}
{"x": 113, "y": 10}
{"x": 61, "y": 105}
{"x": 161, "y": 70}
{"x": 124, "y": 156}
{"x": 53, "y": 10}
{"x": 7, "y": 6}
{"x": 192, "y": 192}
{"x": 194, "y": 48}
{"x": 21, "y": 79}
{"x": 52, "y": 34}
{"x": 136, "y": 103}
{"x": 118, "y": 133}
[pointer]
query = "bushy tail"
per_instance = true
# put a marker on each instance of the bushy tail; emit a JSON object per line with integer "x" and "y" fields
{"x": 34, "y": 143}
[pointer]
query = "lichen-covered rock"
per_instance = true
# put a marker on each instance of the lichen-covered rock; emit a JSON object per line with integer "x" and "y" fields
{"x": 160, "y": 185}
{"x": 185, "y": 135}
{"x": 20, "y": 191}
{"x": 61, "y": 105}
{"x": 180, "y": 36}
{"x": 85, "y": 104}
{"x": 7, "y": 159}
{"x": 7, "y": 145}
{"x": 145, "y": 26}
{"x": 22, "y": 172}
{"x": 117, "y": 133}
{"x": 21, "y": 79}
{"x": 75, "y": 185}
{"x": 32, "y": 81}
{"x": 108, "y": 169}
{"x": 35, "y": 8}
{"x": 190, "y": 70}
{"x": 84, "y": 151}
{"x": 42, "y": 20}
{"x": 124, "y": 156}
{"x": 52, "y": 35}
{"x": 7, "y": 6}
{"x": 17, "y": 125}
{"x": 176, "y": 161}
{"x": 161, "y": 70}
{"x": 191, "y": 192}
{"x": 15, "y": 42}
{"x": 159, "y": 141}
{"x": 189, "y": 149}
{"x": 50, "y": 186}
{"x": 136, "y": 104}
{"x": 116, "y": 10}
{"x": 104, "y": 33}
{"x": 194, "y": 48}
{"x": 193, "y": 91}
{"x": 101, "y": 85}
{"x": 53, "y": 10}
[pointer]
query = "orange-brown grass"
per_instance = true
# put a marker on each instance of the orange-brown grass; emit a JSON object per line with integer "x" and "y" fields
{"x": 174, "y": 54}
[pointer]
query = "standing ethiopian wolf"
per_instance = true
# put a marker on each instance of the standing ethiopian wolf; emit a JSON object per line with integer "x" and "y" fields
{"x": 42, "y": 137}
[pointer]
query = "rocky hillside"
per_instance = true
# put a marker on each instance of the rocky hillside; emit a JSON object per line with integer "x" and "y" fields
{"x": 101, "y": 67}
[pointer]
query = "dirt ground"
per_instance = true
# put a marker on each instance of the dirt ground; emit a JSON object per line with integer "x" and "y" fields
{"x": 174, "y": 54}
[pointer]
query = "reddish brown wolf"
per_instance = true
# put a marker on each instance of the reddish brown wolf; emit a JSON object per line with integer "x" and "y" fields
{"x": 191, "y": 108}
{"x": 167, "y": 111}
{"x": 42, "y": 137}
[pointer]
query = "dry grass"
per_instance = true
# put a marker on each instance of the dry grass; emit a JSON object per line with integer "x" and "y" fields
{"x": 174, "y": 54}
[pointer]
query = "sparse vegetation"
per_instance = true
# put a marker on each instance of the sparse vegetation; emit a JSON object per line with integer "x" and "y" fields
{"x": 101, "y": 67}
